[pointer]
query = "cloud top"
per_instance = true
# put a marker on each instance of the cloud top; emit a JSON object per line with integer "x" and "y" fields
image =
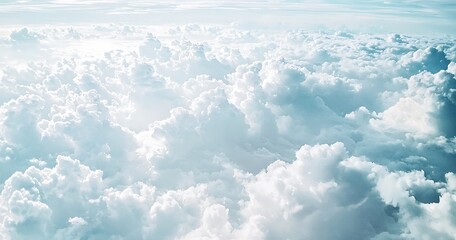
{"x": 203, "y": 132}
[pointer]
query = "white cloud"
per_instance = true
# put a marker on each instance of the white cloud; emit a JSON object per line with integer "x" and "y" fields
{"x": 196, "y": 131}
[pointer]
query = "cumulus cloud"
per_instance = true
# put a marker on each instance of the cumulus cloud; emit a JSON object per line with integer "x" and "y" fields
{"x": 203, "y": 132}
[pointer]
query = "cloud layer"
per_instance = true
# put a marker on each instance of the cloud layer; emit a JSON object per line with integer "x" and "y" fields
{"x": 203, "y": 132}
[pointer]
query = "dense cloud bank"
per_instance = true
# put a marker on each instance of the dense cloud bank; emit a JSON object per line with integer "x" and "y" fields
{"x": 201, "y": 132}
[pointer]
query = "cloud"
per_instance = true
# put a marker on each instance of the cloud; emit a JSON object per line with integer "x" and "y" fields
{"x": 25, "y": 36}
{"x": 196, "y": 131}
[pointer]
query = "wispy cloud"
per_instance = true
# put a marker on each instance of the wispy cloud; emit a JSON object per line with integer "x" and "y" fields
{"x": 412, "y": 16}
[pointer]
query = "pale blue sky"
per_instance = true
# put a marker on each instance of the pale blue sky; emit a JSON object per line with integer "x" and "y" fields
{"x": 408, "y": 16}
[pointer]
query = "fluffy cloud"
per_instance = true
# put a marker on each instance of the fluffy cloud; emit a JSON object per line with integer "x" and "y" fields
{"x": 202, "y": 132}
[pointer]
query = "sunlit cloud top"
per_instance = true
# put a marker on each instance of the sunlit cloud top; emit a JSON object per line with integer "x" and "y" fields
{"x": 257, "y": 120}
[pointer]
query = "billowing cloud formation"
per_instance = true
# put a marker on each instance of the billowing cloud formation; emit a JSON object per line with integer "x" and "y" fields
{"x": 202, "y": 132}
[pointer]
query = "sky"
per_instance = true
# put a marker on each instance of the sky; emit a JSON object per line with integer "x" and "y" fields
{"x": 227, "y": 120}
{"x": 406, "y": 16}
